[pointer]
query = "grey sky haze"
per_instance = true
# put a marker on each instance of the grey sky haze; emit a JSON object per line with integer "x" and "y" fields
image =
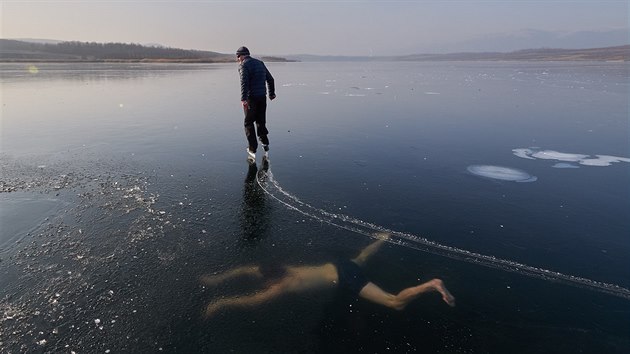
{"x": 319, "y": 27}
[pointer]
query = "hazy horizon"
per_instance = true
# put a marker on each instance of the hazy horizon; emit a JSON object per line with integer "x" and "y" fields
{"x": 348, "y": 28}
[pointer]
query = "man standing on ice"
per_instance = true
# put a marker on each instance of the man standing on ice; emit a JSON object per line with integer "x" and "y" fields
{"x": 253, "y": 75}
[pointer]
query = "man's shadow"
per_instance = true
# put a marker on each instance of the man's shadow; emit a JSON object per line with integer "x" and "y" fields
{"x": 254, "y": 209}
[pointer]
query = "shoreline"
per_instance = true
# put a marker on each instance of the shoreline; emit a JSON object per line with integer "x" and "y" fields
{"x": 150, "y": 61}
{"x": 394, "y": 60}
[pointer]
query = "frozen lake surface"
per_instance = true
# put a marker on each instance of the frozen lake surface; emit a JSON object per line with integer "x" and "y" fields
{"x": 121, "y": 185}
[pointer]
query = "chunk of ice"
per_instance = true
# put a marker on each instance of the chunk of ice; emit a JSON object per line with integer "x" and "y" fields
{"x": 501, "y": 173}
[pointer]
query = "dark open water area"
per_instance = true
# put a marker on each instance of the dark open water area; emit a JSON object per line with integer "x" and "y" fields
{"x": 122, "y": 185}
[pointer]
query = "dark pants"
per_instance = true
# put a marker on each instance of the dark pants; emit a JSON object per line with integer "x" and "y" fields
{"x": 256, "y": 114}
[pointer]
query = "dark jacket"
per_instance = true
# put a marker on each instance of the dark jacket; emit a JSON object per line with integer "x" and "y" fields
{"x": 254, "y": 74}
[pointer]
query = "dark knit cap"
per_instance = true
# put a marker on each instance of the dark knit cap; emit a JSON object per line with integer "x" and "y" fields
{"x": 242, "y": 51}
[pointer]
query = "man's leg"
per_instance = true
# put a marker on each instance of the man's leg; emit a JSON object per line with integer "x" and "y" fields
{"x": 273, "y": 291}
{"x": 377, "y": 295}
{"x": 250, "y": 131}
{"x": 214, "y": 279}
{"x": 260, "y": 107}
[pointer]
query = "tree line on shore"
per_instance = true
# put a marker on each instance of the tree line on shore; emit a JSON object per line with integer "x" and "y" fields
{"x": 12, "y": 49}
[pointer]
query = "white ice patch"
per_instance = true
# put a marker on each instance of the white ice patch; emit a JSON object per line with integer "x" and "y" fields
{"x": 565, "y": 165}
{"x": 560, "y": 156}
{"x": 524, "y": 153}
{"x": 603, "y": 160}
{"x": 586, "y": 160}
{"x": 501, "y": 173}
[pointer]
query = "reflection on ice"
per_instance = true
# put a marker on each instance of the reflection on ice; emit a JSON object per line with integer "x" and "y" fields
{"x": 346, "y": 274}
{"x": 502, "y": 173}
{"x": 587, "y": 160}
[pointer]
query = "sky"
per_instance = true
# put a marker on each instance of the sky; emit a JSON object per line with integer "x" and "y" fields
{"x": 367, "y": 27}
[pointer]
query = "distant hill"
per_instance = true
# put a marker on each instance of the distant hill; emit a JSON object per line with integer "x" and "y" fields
{"x": 510, "y": 41}
{"x": 50, "y": 50}
{"x": 13, "y": 50}
{"x": 618, "y": 53}
{"x": 39, "y": 40}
